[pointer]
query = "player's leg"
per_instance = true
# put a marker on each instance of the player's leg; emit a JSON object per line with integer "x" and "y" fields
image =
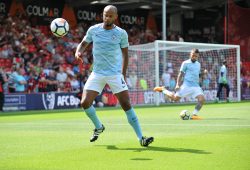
{"x": 123, "y": 98}
{"x": 184, "y": 91}
{"x": 228, "y": 91}
{"x": 120, "y": 89}
{"x": 169, "y": 94}
{"x": 176, "y": 98}
{"x": 92, "y": 88}
{"x": 219, "y": 92}
{"x": 200, "y": 102}
{"x": 88, "y": 97}
{"x": 199, "y": 95}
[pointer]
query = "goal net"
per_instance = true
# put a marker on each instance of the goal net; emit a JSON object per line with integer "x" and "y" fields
{"x": 158, "y": 63}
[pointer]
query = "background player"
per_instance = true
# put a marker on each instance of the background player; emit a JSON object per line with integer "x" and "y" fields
{"x": 110, "y": 52}
{"x": 190, "y": 71}
{"x": 223, "y": 81}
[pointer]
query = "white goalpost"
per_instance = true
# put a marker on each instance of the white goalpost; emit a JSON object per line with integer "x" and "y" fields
{"x": 148, "y": 63}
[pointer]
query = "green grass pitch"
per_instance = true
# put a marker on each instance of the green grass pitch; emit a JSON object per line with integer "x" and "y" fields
{"x": 59, "y": 139}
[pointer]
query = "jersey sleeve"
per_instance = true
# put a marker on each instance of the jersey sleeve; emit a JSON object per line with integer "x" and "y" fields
{"x": 183, "y": 67}
{"x": 124, "y": 39}
{"x": 88, "y": 36}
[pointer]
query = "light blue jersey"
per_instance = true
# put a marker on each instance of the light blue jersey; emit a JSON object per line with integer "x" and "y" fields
{"x": 192, "y": 71}
{"x": 106, "y": 50}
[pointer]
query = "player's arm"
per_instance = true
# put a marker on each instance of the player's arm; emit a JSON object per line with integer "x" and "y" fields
{"x": 124, "y": 47}
{"x": 80, "y": 49}
{"x": 179, "y": 80}
{"x": 84, "y": 44}
{"x": 180, "y": 76}
{"x": 125, "y": 61}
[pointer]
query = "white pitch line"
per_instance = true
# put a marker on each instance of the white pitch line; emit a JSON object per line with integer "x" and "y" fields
{"x": 124, "y": 124}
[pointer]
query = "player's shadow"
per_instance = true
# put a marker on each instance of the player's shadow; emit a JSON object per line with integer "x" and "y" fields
{"x": 141, "y": 159}
{"x": 158, "y": 149}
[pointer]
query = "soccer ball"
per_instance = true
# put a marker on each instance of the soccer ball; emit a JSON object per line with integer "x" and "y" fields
{"x": 59, "y": 27}
{"x": 184, "y": 115}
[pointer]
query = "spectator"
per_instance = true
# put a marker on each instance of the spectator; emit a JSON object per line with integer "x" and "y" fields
{"x": 3, "y": 79}
{"x": 143, "y": 83}
{"x": 180, "y": 38}
{"x": 32, "y": 83}
{"x": 42, "y": 82}
{"x": 66, "y": 86}
{"x": 98, "y": 101}
{"x": 166, "y": 79}
{"x": 61, "y": 77}
{"x": 172, "y": 84}
{"x": 52, "y": 83}
{"x": 133, "y": 79}
{"x": 11, "y": 77}
{"x": 206, "y": 80}
{"x": 20, "y": 81}
{"x": 75, "y": 85}
{"x": 128, "y": 81}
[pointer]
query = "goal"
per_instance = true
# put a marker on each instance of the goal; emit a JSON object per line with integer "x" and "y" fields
{"x": 150, "y": 63}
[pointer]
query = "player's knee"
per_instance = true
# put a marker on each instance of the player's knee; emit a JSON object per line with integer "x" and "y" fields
{"x": 125, "y": 105}
{"x": 176, "y": 98}
{"x": 201, "y": 100}
{"x": 85, "y": 103}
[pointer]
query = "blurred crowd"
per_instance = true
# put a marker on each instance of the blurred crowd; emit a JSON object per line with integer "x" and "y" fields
{"x": 33, "y": 60}
{"x": 37, "y": 61}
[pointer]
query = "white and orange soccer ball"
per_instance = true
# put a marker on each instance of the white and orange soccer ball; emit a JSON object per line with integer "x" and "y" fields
{"x": 59, "y": 27}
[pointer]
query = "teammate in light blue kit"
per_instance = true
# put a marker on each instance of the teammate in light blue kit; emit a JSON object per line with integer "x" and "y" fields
{"x": 110, "y": 52}
{"x": 190, "y": 70}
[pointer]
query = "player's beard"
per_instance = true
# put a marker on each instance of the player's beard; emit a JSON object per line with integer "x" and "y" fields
{"x": 108, "y": 24}
{"x": 193, "y": 60}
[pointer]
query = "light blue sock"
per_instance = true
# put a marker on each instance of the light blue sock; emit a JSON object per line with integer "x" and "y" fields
{"x": 92, "y": 115}
{"x": 133, "y": 121}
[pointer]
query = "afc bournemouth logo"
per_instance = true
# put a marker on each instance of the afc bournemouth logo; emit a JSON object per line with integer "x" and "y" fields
{"x": 49, "y": 100}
